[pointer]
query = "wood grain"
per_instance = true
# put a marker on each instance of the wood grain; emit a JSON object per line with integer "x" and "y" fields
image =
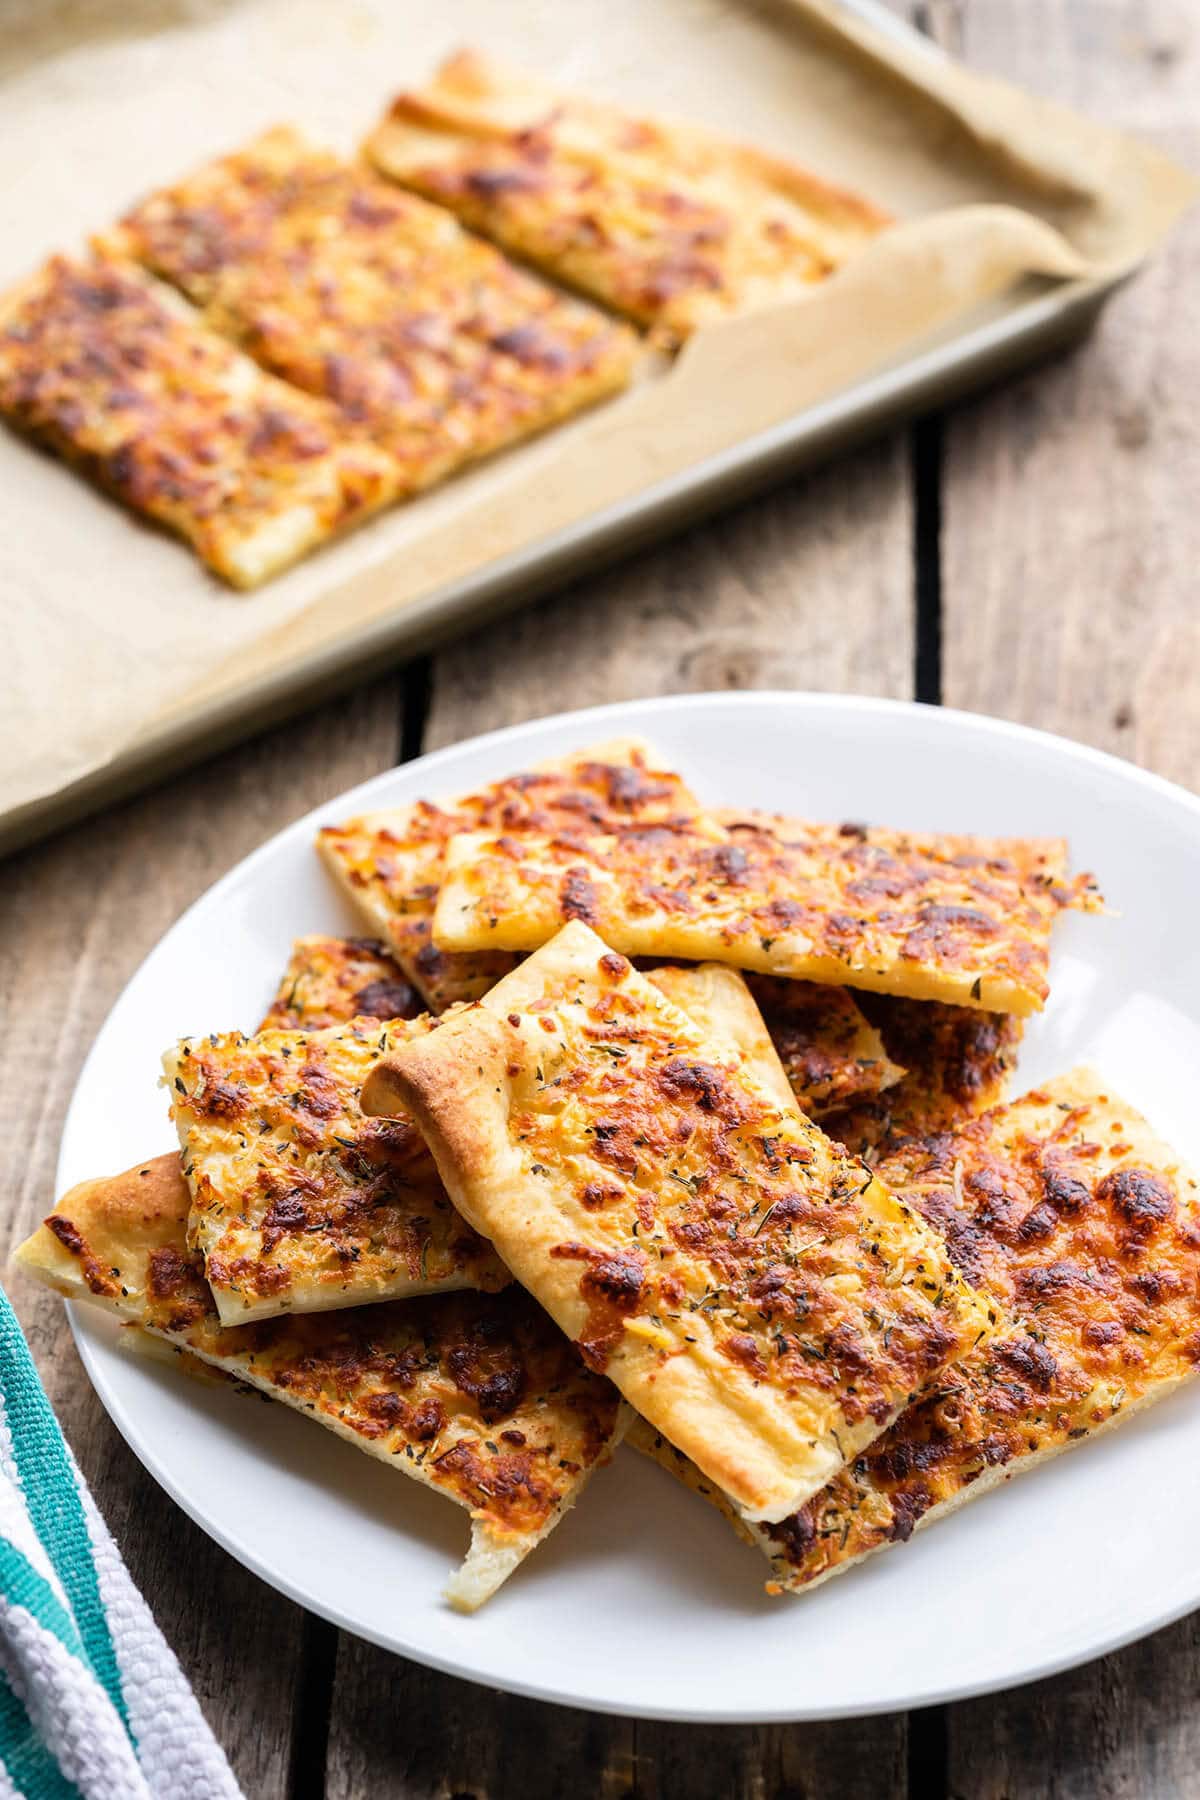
{"x": 1070, "y": 539}
{"x": 76, "y": 917}
{"x": 401, "y": 1731}
{"x": 810, "y": 587}
{"x": 1071, "y": 535}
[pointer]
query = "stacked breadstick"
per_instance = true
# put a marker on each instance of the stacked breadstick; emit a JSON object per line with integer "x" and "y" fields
{"x": 270, "y": 351}
{"x": 481, "y": 1194}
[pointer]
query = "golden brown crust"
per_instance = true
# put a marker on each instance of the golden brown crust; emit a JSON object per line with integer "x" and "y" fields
{"x": 749, "y": 1288}
{"x": 299, "y": 1202}
{"x": 957, "y": 1062}
{"x": 719, "y": 1000}
{"x": 1083, "y": 1227}
{"x": 389, "y": 863}
{"x": 814, "y": 1042}
{"x": 427, "y": 339}
{"x": 831, "y": 1052}
{"x": 331, "y": 980}
{"x": 670, "y": 224}
{"x": 97, "y": 364}
{"x": 948, "y": 918}
{"x": 476, "y": 1395}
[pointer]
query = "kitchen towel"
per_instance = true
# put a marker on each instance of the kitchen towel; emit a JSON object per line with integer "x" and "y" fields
{"x": 93, "y": 1704}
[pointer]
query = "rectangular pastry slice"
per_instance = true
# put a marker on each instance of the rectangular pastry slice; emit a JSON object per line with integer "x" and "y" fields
{"x": 300, "y": 1203}
{"x": 960, "y": 920}
{"x": 757, "y": 1294}
{"x": 670, "y": 224}
{"x": 475, "y": 1395}
{"x": 104, "y": 367}
{"x": 389, "y": 863}
{"x": 428, "y": 339}
{"x": 1082, "y": 1226}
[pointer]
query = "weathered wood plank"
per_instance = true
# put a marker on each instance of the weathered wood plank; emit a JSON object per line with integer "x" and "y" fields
{"x": 1070, "y": 543}
{"x": 405, "y": 1733}
{"x": 808, "y": 587}
{"x": 1071, "y": 534}
{"x": 76, "y": 917}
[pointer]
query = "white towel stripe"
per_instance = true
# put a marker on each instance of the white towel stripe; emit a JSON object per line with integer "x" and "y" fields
{"x": 69, "y": 1710}
{"x": 162, "y": 1749}
{"x": 15, "y": 1523}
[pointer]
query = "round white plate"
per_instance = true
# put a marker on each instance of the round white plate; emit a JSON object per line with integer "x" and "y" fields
{"x": 643, "y": 1602}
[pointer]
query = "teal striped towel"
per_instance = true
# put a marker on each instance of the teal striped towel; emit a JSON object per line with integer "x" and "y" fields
{"x": 93, "y": 1705}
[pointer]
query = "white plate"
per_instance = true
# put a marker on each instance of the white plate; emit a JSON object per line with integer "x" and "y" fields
{"x": 643, "y": 1602}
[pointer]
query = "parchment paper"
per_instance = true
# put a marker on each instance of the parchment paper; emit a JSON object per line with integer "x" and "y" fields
{"x": 110, "y": 627}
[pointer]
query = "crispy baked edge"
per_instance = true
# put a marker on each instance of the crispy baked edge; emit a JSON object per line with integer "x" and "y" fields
{"x": 491, "y": 1557}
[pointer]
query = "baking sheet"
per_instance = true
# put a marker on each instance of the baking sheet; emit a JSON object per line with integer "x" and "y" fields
{"x": 122, "y": 651}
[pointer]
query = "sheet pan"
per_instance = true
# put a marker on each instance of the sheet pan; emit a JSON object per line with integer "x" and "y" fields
{"x": 361, "y": 613}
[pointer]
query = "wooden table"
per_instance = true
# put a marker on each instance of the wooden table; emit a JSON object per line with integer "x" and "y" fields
{"x": 1032, "y": 554}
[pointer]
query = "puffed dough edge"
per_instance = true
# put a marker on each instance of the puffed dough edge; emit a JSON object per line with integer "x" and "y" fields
{"x": 455, "y": 1084}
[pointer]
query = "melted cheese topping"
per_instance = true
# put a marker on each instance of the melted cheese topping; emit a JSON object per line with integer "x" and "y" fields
{"x": 1083, "y": 1227}
{"x": 390, "y": 863}
{"x": 98, "y": 364}
{"x": 299, "y": 1202}
{"x": 932, "y": 917}
{"x": 476, "y": 1395}
{"x": 740, "y": 1278}
{"x": 335, "y": 280}
{"x": 670, "y": 225}
{"x": 831, "y": 1053}
{"x": 330, "y": 980}
{"x": 957, "y": 1063}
